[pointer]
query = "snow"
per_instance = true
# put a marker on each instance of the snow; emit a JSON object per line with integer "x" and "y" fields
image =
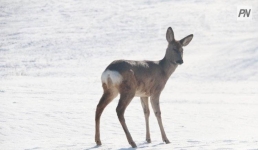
{"x": 52, "y": 54}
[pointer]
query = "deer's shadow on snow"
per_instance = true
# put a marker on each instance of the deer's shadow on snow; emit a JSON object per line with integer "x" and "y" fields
{"x": 140, "y": 145}
{"x": 94, "y": 147}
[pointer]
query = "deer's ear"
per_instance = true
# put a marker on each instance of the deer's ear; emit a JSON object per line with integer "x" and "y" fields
{"x": 170, "y": 35}
{"x": 185, "y": 41}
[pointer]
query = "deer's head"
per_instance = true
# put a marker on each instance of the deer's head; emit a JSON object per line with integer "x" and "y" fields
{"x": 174, "y": 51}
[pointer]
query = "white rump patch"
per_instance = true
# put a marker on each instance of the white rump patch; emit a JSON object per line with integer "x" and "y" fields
{"x": 114, "y": 76}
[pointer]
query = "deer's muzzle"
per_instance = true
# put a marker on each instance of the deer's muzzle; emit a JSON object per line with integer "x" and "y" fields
{"x": 179, "y": 62}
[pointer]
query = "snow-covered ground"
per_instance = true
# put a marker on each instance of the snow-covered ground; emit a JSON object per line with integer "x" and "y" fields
{"x": 52, "y": 54}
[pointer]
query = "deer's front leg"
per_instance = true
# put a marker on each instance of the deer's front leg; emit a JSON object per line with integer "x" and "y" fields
{"x": 156, "y": 109}
{"x": 146, "y": 110}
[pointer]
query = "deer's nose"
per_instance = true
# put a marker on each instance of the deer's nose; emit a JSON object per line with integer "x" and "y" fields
{"x": 180, "y": 61}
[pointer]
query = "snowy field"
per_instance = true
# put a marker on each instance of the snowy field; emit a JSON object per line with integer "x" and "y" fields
{"x": 52, "y": 54}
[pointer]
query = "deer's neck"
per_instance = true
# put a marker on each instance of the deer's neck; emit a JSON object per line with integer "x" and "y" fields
{"x": 168, "y": 66}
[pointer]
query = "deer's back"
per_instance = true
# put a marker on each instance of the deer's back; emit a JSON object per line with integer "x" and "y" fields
{"x": 147, "y": 75}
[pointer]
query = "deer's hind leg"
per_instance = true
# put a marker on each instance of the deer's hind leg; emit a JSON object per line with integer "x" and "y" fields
{"x": 125, "y": 99}
{"x": 127, "y": 92}
{"x": 107, "y": 97}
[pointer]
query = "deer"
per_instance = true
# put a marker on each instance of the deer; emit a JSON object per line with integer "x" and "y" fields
{"x": 144, "y": 79}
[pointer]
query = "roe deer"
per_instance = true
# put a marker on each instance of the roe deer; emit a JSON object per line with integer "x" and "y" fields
{"x": 143, "y": 79}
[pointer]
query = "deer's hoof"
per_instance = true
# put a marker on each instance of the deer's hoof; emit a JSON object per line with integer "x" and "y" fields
{"x": 133, "y": 144}
{"x": 166, "y": 141}
{"x": 98, "y": 143}
{"x": 148, "y": 140}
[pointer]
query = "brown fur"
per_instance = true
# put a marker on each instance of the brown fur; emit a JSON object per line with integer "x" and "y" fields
{"x": 143, "y": 79}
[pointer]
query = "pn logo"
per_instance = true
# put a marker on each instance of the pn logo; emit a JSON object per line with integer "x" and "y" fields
{"x": 244, "y": 13}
